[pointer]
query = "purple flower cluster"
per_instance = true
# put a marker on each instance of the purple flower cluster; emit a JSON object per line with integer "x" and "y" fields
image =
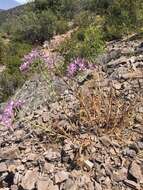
{"x": 35, "y": 55}
{"x": 29, "y": 59}
{"x": 6, "y": 118}
{"x": 77, "y": 65}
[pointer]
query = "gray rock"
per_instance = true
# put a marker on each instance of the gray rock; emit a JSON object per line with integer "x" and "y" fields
{"x": 129, "y": 152}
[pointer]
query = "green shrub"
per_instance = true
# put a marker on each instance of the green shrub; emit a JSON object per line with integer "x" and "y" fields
{"x": 84, "y": 19}
{"x": 86, "y": 42}
{"x": 61, "y": 26}
{"x": 2, "y": 51}
{"x": 12, "y": 78}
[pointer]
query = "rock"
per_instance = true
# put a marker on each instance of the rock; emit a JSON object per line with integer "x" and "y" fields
{"x": 3, "y": 167}
{"x": 10, "y": 153}
{"x": 135, "y": 171}
{"x": 70, "y": 185}
{"x": 88, "y": 164}
{"x": 20, "y": 134}
{"x": 52, "y": 156}
{"x": 14, "y": 187}
{"x": 45, "y": 117}
{"x": 46, "y": 184}
{"x": 129, "y": 152}
{"x": 121, "y": 60}
{"x": 32, "y": 157}
{"x": 117, "y": 85}
{"x": 120, "y": 175}
{"x": 49, "y": 168}
{"x": 17, "y": 178}
{"x": 105, "y": 141}
{"x": 132, "y": 184}
{"x": 61, "y": 176}
{"x": 29, "y": 180}
{"x": 97, "y": 186}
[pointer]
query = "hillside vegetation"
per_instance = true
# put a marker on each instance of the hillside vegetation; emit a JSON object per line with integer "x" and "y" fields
{"x": 30, "y": 25}
{"x": 71, "y": 95}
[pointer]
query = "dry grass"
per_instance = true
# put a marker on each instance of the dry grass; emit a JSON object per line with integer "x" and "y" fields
{"x": 103, "y": 108}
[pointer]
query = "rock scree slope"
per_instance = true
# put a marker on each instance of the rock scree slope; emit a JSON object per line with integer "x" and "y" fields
{"x": 47, "y": 152}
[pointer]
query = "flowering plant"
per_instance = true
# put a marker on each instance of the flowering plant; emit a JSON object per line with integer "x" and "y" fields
{"x": 7, "y": 116}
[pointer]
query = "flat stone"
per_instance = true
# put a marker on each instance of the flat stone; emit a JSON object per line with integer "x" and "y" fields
{"x": 32, "y": 157}
{"x": 10, "y": 153}
{"x": 3, "y": 167}
{"x": 61, "y": 176}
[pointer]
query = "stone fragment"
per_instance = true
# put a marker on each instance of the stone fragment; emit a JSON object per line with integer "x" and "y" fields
{"x": 132, "y": 184}
{"x": 32, "y": 157}
{"x": 3, "y": 167}
{"x": 52, "y": 156}
{"x": 17, "y": 178}
{"x": 20, "y": 134}
{"x": 120, "y": 175}
{"x": 45, "y": 117}
{"x": 117, "y": 85}
{"x": 105, "y": 141}
{"x": 88, "y": 164}
{"x": 70, "y": 185}
{"x": 61, "y": 176}
{"x": 10, "y": 153}
{"x": 14, "y": 187}
{"x": 48, "y": 167}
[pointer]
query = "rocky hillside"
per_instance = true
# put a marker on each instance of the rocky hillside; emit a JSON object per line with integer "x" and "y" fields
{"x": 55, "y": 147}
{"x": 6, "y": 15}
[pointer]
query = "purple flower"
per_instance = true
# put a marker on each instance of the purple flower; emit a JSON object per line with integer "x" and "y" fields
{"x": 29, "y": 59}
{"x": 72, "y": 69}
{"x": 6, "y": 118}
{"x": 79, "y": 64}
